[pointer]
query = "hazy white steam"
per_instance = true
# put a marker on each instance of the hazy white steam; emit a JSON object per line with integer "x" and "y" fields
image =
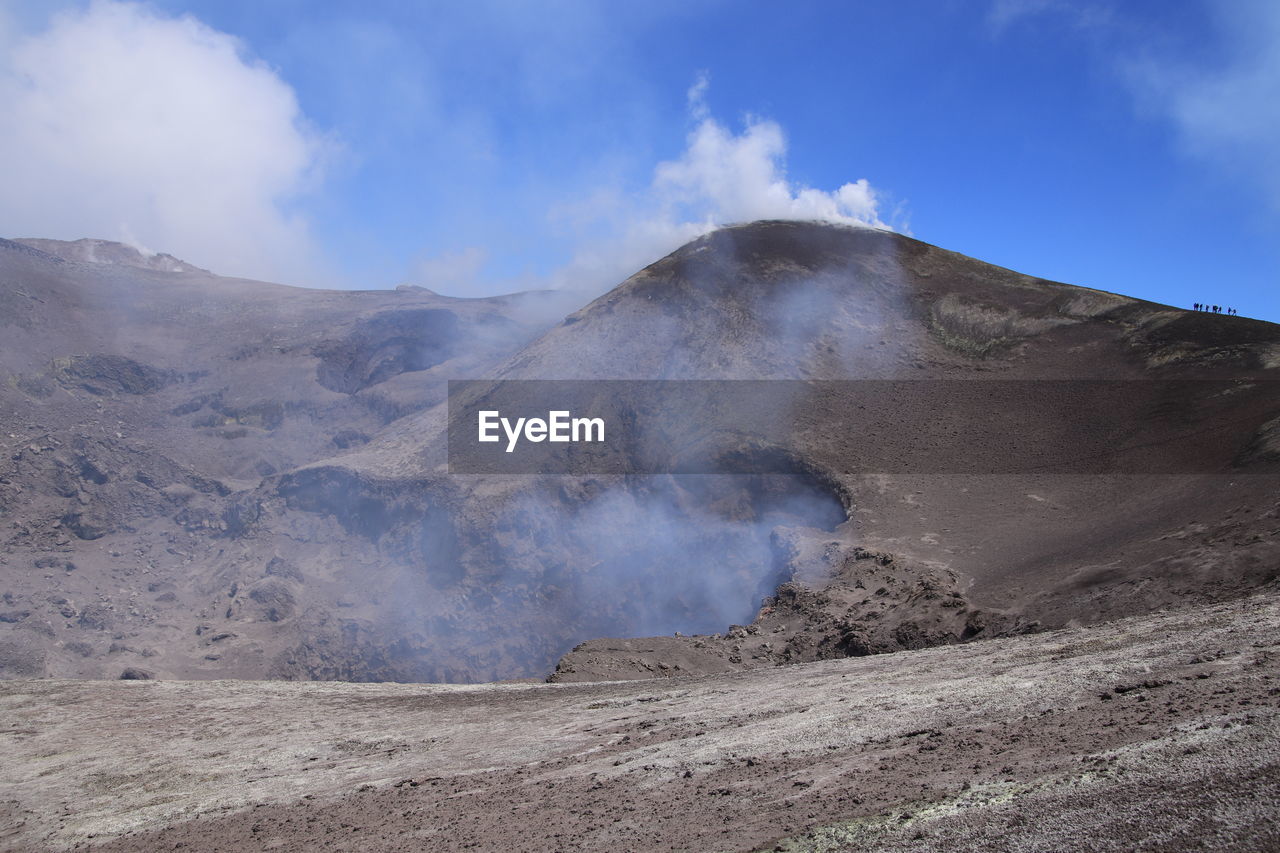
{"x": 741, "y": 178}
{"x": 697, "y": 97}
{"x": 722, "y": 177}
{"x": 451, "y": 272}
{"x": 125, "y": 124}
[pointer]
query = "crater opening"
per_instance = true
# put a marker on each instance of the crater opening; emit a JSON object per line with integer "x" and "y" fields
{"x": 387, "y": 345}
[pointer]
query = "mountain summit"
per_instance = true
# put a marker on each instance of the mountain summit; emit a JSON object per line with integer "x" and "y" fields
{"x": 89, "y": 251}
{"x": 211, "y": 478}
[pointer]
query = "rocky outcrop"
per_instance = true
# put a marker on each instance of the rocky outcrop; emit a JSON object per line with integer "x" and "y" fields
{"x": 862, "y": 602}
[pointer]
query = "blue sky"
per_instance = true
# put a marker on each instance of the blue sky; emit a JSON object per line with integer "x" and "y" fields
{"x": 488, "y": 146}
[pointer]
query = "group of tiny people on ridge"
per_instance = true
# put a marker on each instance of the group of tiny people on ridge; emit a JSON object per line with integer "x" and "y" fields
{"x": 1214, "y": 309}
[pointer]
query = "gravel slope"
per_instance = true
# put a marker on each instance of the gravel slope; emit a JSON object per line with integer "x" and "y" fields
{"x": 1158, "y": 732}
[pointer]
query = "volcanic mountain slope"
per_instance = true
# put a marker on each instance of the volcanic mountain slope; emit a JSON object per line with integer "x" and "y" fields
{"x": 107, "y": 252}
{"x": 143, "y": 398}
{"x": 213, "y": 534}
{"x": 881, "y": 562}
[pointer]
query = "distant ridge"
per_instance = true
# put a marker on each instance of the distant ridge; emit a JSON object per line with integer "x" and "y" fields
{"x": 91, "y": 251}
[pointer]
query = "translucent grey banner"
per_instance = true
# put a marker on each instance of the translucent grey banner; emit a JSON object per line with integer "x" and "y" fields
{"x": 871, "y": 426}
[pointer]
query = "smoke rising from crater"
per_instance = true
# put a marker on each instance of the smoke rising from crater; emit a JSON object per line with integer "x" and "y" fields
{"x": 721, "y": 177}
{"x": 536, "y": 565}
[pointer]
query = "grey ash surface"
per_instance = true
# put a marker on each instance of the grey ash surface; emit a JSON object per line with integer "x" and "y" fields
{"x": 207, "y": 481}
{"x": 1158, "y": 732}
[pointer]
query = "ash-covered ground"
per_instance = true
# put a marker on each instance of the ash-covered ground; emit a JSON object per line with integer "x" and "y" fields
{"x": 206, "y": 479}
{"x": 1156, "y": 732}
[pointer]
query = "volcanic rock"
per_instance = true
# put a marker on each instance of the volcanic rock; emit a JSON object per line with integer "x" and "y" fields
{"x": 276, "y": 459}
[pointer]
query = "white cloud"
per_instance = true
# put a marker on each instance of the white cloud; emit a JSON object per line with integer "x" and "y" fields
{"x": 125, "y": 124}
{"x": 7, "y": 30}
{"x": 1003, "y": 14}
{"x": 722, "y": 177}
{"x": 1228, "y": 114}
{"x": 1224, "y": 103}
{"x": 696, "y": 97}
